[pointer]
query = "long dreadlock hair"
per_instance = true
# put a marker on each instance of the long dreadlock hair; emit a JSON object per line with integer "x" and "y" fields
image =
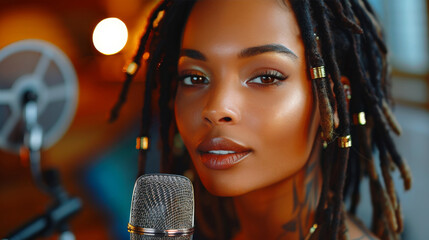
{"x": 343, "y": 36}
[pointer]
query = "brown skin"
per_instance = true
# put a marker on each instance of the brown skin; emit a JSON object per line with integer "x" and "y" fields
{"x": 277, "y": 120}
{"x": 264, "y": 102}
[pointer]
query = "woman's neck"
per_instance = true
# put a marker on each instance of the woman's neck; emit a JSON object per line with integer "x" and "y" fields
{"x": 284, "y": 210}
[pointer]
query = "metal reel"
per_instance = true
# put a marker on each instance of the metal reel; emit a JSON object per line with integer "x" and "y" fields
{"x": 39, "y": 68}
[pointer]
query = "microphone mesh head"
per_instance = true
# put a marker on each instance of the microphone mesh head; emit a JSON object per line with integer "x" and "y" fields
{"x": 162, "y": 202}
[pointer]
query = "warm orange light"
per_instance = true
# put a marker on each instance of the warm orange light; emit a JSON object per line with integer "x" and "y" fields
{"x": 110, "y": 36}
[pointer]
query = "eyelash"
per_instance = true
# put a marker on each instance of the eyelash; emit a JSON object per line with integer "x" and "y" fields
{"x": 187, "y": 77}
{"x": 275, "y": 75}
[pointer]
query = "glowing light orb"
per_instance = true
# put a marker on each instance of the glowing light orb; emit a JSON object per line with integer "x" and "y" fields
{"x": 110, "y": 36}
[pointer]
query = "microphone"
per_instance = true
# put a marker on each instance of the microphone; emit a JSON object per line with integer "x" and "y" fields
{"x": 162, "y": 208}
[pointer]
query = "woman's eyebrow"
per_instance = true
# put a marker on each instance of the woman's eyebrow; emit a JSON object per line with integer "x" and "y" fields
{"x": 248, "y": 52}
{"x": 191, "y": 53}
{"x": 277, "y": 48}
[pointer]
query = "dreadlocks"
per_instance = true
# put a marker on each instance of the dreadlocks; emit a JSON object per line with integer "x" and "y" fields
{"x": 331, "y": 30}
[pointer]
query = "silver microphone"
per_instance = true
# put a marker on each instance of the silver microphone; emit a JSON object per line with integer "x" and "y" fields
{"x": 162, "y": 208}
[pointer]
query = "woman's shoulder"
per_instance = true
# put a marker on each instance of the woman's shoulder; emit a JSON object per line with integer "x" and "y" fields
{"x": 357, "y": 230}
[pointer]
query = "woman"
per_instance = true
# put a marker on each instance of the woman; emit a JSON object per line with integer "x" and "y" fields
{"x": 268, "y": 97}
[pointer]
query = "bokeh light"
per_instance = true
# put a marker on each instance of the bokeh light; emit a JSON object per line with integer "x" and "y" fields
{"x": 110, "y": 36}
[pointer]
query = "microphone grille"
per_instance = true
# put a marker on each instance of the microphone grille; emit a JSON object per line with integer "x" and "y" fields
{"x": 162, "y": 202}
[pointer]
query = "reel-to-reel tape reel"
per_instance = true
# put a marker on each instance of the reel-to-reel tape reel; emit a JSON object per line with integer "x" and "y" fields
{"x": 39, "y": 68}
{"x": 38, "y": 99}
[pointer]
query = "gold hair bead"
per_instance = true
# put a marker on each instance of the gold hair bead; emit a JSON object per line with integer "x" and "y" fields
{"x": 158, "y": 19}
{"x": 311, "y": 231}
{"x": 146, "y": 56}
{"x": 325, "y": 144}
{"x": 132, "y": 68}
{"x": 142, "y": 143}
{"x": 347, "y": 91}
{"x": 318, "y": 72}
{"x": 359, "y": 118}
{"x": 316, "y": 36}
{"x": 345, "y": 142}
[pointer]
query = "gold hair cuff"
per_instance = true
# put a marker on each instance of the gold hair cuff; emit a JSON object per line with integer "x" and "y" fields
{"x": 132, "y": 68}
{"x": 318, "y": 72}
{"x": 359, "y": 118}
{"x": 345, "y": 142}
{"x": 142, "y": 143}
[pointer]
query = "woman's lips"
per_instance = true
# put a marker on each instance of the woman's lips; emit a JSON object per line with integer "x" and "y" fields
{"x": 221, "y": 153}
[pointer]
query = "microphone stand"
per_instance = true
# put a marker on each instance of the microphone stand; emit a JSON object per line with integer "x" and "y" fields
{"x": 63, "y": 207}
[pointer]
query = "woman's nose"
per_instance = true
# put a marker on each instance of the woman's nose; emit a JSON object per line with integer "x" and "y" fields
{"x": 222, "y": 107}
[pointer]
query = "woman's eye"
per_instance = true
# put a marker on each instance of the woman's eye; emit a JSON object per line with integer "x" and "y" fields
{"x": 267, "y": 78}
{"x": 194, "y": 80}
{"x": 264, "y": 80}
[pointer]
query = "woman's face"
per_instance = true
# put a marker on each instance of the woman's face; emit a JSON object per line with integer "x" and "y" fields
{"x": 245, "y": 106}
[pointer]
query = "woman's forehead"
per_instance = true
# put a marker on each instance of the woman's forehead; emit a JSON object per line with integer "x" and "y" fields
{"x": 240, "y": 22}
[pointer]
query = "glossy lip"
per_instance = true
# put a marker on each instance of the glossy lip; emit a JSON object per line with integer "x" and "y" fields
{"x": 221, "y": 160}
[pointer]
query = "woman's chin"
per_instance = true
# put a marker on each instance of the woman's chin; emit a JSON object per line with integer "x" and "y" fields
{"x": 223, "y": 190}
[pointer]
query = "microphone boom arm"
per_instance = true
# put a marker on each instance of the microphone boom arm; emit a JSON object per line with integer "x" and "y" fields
{"x": 64, "y": 207}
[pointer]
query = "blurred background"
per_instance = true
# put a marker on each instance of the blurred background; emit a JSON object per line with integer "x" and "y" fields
{"x": 97, "y": 160}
